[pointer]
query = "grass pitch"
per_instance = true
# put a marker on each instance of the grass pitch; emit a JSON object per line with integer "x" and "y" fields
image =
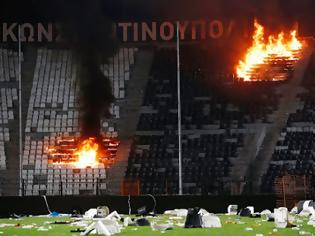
{"x": 231, "y": 226}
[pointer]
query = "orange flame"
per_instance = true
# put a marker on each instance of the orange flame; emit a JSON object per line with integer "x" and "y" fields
{"x": 81, "y": 154}
{"x": 87, "y": 153}
{"x": 276, "y": 47}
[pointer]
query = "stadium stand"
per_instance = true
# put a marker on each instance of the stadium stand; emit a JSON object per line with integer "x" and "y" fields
{"x": 215, "y": 122}
{"x": 294, "y": 153}
{"x": 213, "y": 128}
{"x": 53, "y": 114}
{"x": 8, "y": 96}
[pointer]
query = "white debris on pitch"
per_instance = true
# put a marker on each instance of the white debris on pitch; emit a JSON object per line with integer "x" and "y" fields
{"x": 105, "y": 227}
{"x": 161, "y": 226}
{"x": 232, "y": 209}
{"x": 177, "y": 212}
{"x": 209, "y": 220}
{"x": 281, "y": 217}
{"x": 90, "y": 213}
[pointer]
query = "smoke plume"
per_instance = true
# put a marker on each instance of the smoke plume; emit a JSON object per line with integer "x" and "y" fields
{"x": 90, "y": 36}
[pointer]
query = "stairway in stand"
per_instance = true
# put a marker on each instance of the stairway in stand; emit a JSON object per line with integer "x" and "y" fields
{"x": 130, "y": 113}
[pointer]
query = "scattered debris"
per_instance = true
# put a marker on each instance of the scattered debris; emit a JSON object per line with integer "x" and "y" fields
{"x": 200, "y": 218}
{"x": 27, "y": 226}
{"x": 61, "y": 222}
{"x": 106, "y": 227}
{"x": 306, "y": 208}
{"x": 281, "y": 217}
{"x": 99, "y": 221}
{"x": 42, "y": 228}
{"x": 211, "y": 221}
{"x": 177, "y": 212}
{"x": 175, "y": 217}
{"x": 251, "y": 208}
{"x": 294, "y": 210}
{"x": 240, "y": 222}
{"x": 113, "y": 216}
{"x": 255, "y": 215}
{"x": 143, "y": 222}
{"x": 161, "y": 227}
{"x": 142, "y": 211}
{"x": 78, "y": 230}
{"x": 180, "y": 224}
{"x": 295, "y": 228}
{"x": 76, "y": 214}
{"x": 267, "y": 215}
{"x": 101, "y": 212}
{"x": 90, "y": 213}
{"x": 16, "y": 216}
{"x": 230, "y": 222}
{"x": 127, "y": 221}
{"x": 232, "y": 209}
{"x": 193, "y": 219}
{"x": 80, "y": 223}
{"x": 245, "y": 212}
{"x": 312, "y": 220}
{"x": 305, "y": 233}
{"x": 54, "y": 214}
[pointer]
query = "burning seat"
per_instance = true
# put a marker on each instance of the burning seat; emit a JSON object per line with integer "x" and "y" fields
{"x": 83, "y": 153}
{"x": 272, "y": 60}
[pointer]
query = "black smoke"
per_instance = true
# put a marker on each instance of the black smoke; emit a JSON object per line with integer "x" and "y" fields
{"x": 90, "y": 36}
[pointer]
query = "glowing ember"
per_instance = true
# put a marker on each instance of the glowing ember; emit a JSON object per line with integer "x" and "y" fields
{"x": 277, "y": 49}
{"x": 87, "y": 154}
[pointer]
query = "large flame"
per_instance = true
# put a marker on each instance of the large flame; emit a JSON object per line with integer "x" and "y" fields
{"x": 87, "y": 153}
{"x": 280, "y": 46}
{"x": 90, "y": 152}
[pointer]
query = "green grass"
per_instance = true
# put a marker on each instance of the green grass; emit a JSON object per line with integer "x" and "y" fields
{"x": 230, "y": 228}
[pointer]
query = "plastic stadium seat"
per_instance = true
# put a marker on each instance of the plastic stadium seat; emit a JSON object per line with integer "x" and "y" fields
{"x": 54, "y": 112}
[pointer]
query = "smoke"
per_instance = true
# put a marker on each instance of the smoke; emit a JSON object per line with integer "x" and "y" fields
{"x": 90, "y": 36}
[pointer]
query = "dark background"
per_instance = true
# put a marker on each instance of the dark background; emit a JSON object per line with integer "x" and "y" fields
{"x": 274, "y": 13}
{"x": 65, "y": 204}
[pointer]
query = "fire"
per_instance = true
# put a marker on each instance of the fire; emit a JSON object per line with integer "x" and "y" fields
{"x": 277, "y": 48}
{"x": 78, "y": 153}
{"x": 87, "y": 153}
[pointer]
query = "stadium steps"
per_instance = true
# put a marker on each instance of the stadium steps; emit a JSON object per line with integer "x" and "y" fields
{"x": 130, "y": 113}
{"x": 10, "y": 176}
{"x": 288, "y": 104}
{"x": 28, "y": 68}
{"x": 116, "y": 172}
{"x": 131, "y": 106}
{"x": 241, "y": 163}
